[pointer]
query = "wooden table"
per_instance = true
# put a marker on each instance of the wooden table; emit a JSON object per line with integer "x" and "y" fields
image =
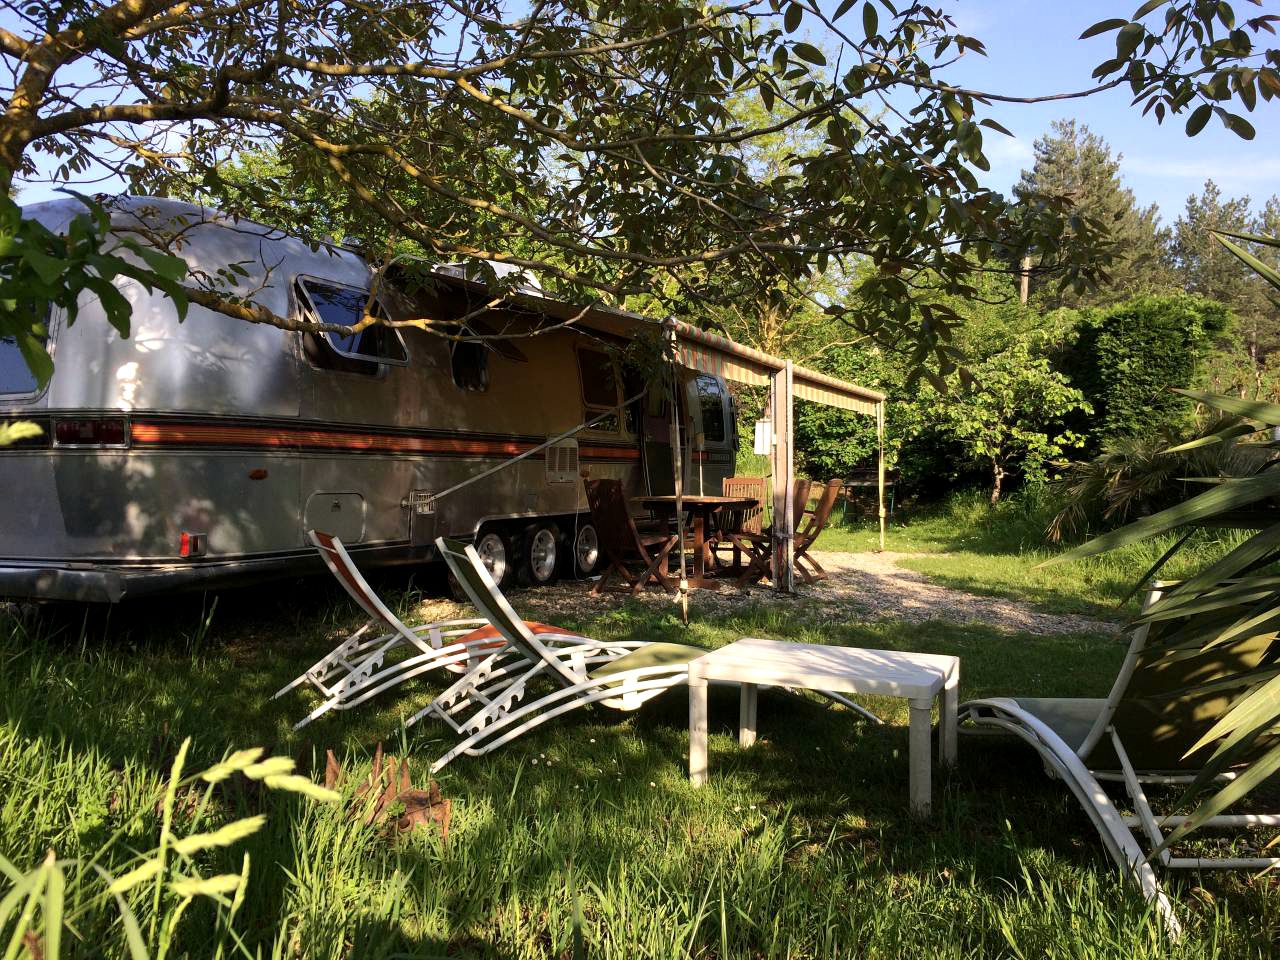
{"x": 701, "y": 508}
{"x": 918, "y": 677}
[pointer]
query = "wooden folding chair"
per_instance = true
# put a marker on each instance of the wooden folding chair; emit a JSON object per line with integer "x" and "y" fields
{"x": 384, "y": 652}
{"x": 639, "y": 558}
{"x": 739, "y": 523}
{"x": 809, "y": 532}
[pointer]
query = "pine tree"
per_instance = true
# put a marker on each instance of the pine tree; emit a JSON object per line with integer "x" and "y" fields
{"x": 1206, "y": 267}
{"x": 1074, "y": 163}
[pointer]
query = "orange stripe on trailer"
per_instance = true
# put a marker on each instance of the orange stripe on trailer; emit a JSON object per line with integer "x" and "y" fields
{"x": 167, "y": 434}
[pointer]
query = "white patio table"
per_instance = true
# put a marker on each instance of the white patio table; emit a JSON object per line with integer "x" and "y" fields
{"x": 752, "y": 662}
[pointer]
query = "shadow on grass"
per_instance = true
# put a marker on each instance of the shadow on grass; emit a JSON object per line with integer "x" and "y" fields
{"x": 809, "y": 827}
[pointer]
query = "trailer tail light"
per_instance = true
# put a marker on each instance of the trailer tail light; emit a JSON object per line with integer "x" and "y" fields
{"x": 91, "y": 432}
{"x": 191, "y": 544}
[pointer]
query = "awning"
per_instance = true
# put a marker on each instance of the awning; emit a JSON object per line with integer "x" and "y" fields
{"x": 695, "y": 349}
{"x": 709, "y": 353}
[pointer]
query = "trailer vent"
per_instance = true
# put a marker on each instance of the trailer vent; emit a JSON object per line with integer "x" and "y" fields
{"x": 421, "y": 502}
{"x": 562, "y": 462}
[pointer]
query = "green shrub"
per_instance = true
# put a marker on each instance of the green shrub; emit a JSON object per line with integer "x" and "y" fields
{"x": 1127, "y": 359}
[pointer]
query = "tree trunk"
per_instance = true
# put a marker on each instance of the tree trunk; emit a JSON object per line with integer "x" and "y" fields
{"x": 1024, "y": 287}
{"x": 997, "y": 482}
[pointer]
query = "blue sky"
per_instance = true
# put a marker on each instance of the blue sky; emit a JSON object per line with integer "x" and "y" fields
{"x": 1032, "y": 49}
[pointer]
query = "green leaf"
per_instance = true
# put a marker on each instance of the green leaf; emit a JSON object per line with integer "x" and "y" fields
{"x": 999, "y": 128}
{"x": 1199, "y": 117}
{"x": 1128, "y": 38}
{"x": 1147, "y": 7}
{"x": 1229, "y": 433}
{"x": 812, "y": 54}
{"x": 1238, "y": 125}
{"x": 1237, "y": 492}
{"x": 1268, "y": 413}
{"x": 114, "y": 304}
{"x": 793, "y": 17}
{"x": 170, "y": 267}
{"x": 36, "y": 354}
{"x": 1102, "y": 26}
{"x": 1251, "y": 237}
{"x": 47, "y": 268}
{"x": 870, "y": 20}
{"x": 1256, "y": 773}
{"x": 1242, "y": 557}
{"x": 845, "y": 6}
{"x": 1260, "y": 708}
{"x": 1267, "y": 273}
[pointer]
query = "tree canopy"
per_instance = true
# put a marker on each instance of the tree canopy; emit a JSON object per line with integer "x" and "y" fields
{"x": 591, "y": 143}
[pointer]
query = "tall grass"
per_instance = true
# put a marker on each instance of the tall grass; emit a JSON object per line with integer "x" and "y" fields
{"x": 583, "y": 836}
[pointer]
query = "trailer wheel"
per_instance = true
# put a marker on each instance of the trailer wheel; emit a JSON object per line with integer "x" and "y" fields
{"x": 542, "y": 553}
{"x": 496, "y": 551}
{"x": 586, "y": 550}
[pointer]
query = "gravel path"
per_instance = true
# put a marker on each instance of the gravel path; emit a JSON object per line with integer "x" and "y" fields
{"x": 866, "y": 586}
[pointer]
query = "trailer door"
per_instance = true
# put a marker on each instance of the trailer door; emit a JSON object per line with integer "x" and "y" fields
{"x": 713, "y": 433}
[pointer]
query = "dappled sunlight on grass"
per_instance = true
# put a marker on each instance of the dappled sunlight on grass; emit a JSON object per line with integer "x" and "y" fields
{"x": 801, "y": 846}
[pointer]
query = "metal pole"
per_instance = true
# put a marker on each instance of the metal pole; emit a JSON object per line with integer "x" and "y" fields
{"x": 780, "y": 389}
{"x": 880, "y": 467}
{"x": 677, "y": 465}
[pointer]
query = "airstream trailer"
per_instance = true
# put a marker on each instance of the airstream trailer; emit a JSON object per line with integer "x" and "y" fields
{"x": 200, "y": 452}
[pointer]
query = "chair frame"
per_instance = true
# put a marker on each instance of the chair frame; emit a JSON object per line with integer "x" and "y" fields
{"x": 358, "y": 668}
{"x": 499, "y": 684}
{"x": 1117, "y": 831}
{"x": 761, "y": 545}
{"x": 740, "y": 523}
{"x": 615, "y": 524}
{"x": 817, "y": 522}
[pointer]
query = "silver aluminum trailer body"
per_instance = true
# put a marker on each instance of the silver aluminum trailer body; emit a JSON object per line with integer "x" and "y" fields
{"x": 199, "y": 453}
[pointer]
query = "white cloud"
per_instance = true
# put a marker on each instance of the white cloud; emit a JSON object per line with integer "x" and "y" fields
{"x": 1225, "y": 170}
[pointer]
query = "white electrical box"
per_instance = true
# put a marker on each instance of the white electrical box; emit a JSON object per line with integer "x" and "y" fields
{"x": 764, "y": 438}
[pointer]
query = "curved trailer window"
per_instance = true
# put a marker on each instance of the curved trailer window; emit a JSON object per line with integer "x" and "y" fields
{"x": 361, "y": 352}
{"x": 15, "y": 376}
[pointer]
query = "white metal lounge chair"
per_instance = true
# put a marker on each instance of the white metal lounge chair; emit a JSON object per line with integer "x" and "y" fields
{"x": 1158, "y": 707}
{"x": 621, "y": 674}
{"x": 384, "y": 652}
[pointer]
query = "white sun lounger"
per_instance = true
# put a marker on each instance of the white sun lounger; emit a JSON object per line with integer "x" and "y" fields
{"x": 384, "y": 652}
{"x": 1138, "y": 736}
{"x": 487, "y": 706}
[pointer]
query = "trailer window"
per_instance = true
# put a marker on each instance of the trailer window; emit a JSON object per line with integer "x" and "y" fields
{"x": 362, "y": 352}
{"x": 711, "y": 402}
{"x": 469, "y": 364}
{"x": 15, "y": 376}
{"x": 599, "y": 388}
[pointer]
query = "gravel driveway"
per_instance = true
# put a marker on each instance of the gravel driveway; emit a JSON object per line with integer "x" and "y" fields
{"x": 868, "y": 586}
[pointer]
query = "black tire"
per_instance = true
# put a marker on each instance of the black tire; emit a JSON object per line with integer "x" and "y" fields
{"x": 540, "y": 549}
{"x": 585, "y": 552}
{"x": 498, "y": 552}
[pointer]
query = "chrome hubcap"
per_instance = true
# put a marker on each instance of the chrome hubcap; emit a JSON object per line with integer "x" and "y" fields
{"x": 542, "y": 555}
{"x": 494, "y": 555}
{"x": 587, "y": 548}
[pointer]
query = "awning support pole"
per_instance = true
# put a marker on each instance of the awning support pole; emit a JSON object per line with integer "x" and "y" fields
{"x": 781, "y": 386}
{"x": 880, "y": 468}
{"x": 677, "y": 467}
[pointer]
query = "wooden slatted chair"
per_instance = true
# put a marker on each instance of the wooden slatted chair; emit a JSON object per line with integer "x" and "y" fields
{"x": 812, "y": 527}
{"x": 739, "y": 523}
{"x": 384, "y": 652}
{"x": 639, "y": 558}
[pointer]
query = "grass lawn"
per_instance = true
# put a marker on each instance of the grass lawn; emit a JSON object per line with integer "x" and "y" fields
{"x": 800, "y": 847}
{"x": 967, "y": 545}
